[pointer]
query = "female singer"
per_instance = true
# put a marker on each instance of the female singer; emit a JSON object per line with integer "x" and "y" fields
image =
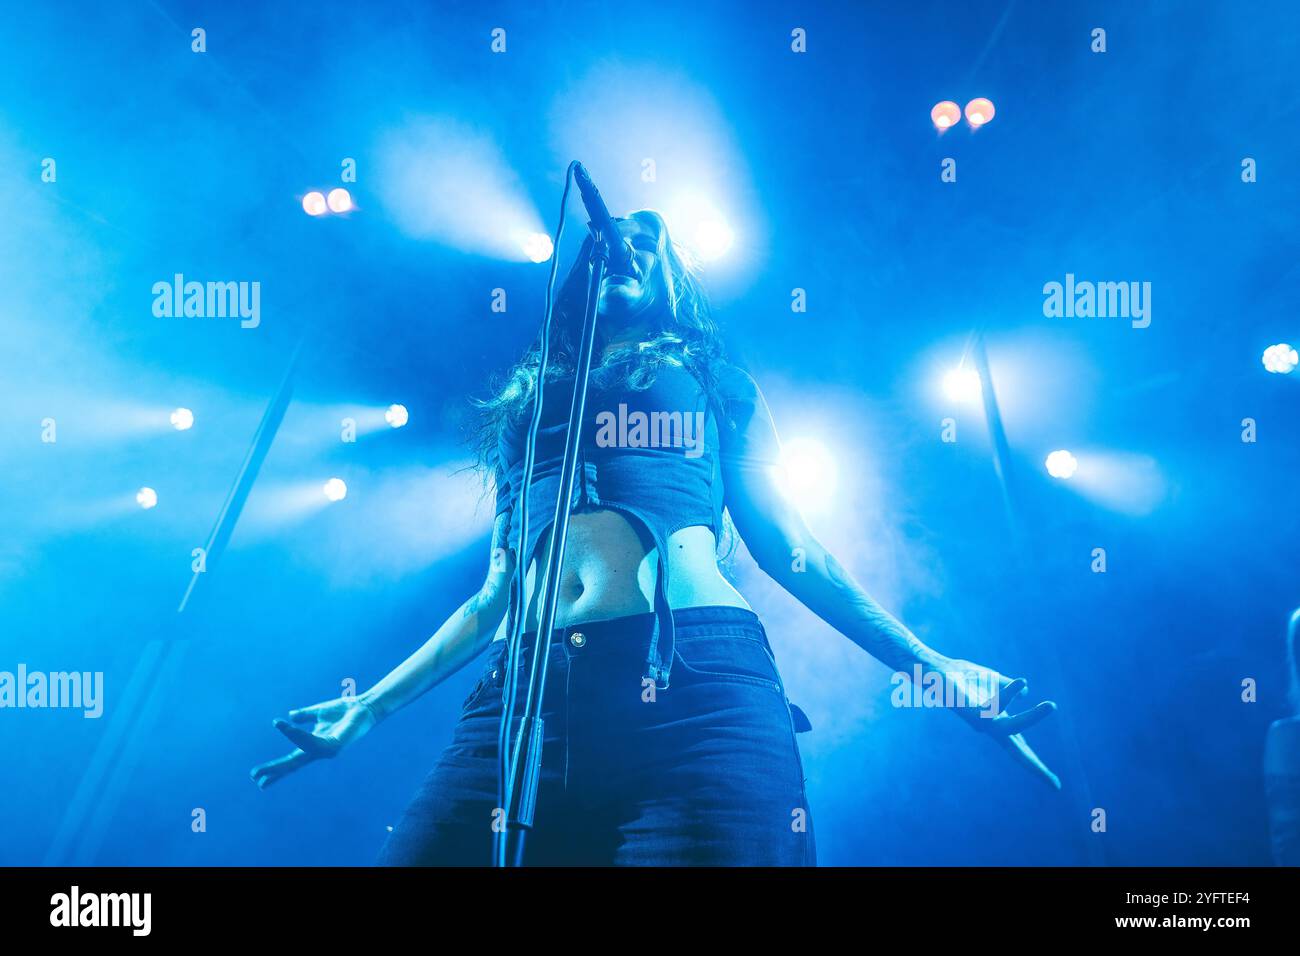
{"x": 668, "y": 736}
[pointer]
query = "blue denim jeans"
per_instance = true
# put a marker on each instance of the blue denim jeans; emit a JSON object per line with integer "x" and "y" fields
{"x": 704, "y": 772}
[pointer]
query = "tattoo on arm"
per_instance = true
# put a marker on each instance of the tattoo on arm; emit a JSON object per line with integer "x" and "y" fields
{"x": 472, "y": 605}
{"x": 873, "y": 628}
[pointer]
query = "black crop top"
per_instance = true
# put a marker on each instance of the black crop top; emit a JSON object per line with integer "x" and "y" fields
{"x": 658, "y": 455}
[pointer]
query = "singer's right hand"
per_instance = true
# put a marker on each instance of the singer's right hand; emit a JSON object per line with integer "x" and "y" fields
{"x": 334, "y": 724}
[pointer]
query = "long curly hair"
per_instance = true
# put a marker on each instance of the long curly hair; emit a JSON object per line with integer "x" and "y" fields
{"x": 682, "y": 334}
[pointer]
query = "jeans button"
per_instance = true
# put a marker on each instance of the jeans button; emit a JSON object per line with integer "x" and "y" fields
{"x": 577, "y": 639}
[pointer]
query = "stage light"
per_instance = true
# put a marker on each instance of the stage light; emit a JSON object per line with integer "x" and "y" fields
{"x": 713, "y": 238}
{"x": 1061, "y": 464}
{"x": 962, "y": 385}
{"x": 146, "y": 498}
{"x": 1280, "y": 358}
{"x": 313, "y": 204}
{"x": 446, "y": 179}
{"x": 945, "y": 114}
{"x": 1122, "y": 481}
{"x": 699, "y": 224}
{"x": 335, "y": 489}
{"x": 339, "y": 200}
{"x": 538, "y": 246}
{"x": 396, "y": 415}
{"x": 809, "y": 475}
{"x": 182, "y": 419}
{"x": 979, "y": 111}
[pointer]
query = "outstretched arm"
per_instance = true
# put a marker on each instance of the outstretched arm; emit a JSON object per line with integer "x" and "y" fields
{"x": 462, "y": 637}
{"x": 784, "y": 547}
{"x": 322, "y": 730}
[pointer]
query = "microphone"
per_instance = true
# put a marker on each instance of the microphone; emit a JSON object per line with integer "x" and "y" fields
{"x": 620, "y": 259}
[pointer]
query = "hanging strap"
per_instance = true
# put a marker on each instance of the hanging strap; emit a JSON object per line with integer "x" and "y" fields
{"x": 659, "y": 659}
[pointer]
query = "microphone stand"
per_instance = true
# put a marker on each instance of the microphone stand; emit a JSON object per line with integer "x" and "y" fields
{"x": 525, "y": 765}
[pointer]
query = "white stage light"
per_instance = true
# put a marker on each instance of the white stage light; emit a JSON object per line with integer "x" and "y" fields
{"x": 313, "y": 204}
{"x": 396, "y": 415}
{"x": 809, "y": 476}
{"x": 335, "y": 489}
{"x": 146, "y": 498}
{"x": 713, "y": 238}
{"x": 538, "y": 247}
{"x": 962, "y": 385}
{"x": 1280, "y": 358}
{"x": 182, "y": 419}
{"x": 446, "y": 179}
{"x": 979, "y": 111}
{"x": 1061, "y": 464}
{"x": 339, "y": 200}
{"x": 945, "y": 114}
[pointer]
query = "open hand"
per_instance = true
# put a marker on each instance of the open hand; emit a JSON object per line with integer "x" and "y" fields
{"x": 983, "y": 695}
{"x": 333, "y": 725}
